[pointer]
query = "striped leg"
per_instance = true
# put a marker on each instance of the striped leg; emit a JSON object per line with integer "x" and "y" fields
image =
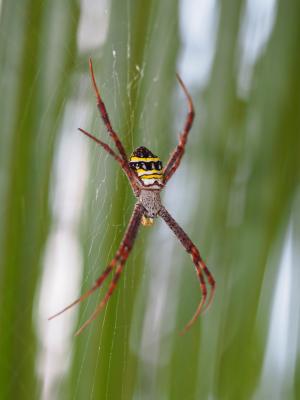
{"x": 175, "y": 158}
{"x": 200, "y": 266}
{"x": 119, "y": 260}
{"x": 104, "y": 115}
{"x": 105, "y": 146}
{"x": 124, "y": 164}
{"x": 111, "y": 288}
{"x": 96, "y": 285}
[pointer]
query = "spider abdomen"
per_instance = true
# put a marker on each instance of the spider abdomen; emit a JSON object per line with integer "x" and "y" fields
{"x": 147, "y": 166}
{"x": 150, "y": 199}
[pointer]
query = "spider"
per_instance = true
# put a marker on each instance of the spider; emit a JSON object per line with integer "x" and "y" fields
{"x": 147, "y": 178}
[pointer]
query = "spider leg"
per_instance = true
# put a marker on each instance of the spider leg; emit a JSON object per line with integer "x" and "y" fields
{"x": 120, "y": 260}
{"x": 123, "y": 164}
{"x": 96, "y": 285}
{"x": 104, "y": 115}
{"x": 200, "y": 309}
{"x": 109, "y": 292}
{"x": 175, "y": 158}
{"x": 200, "y": 266}
{"x": 105, "y": 146}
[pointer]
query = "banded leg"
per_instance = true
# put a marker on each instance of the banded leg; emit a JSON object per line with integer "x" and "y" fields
{"x": 124, "y": 164}
{"x": 105, "y": 146}
{"x": 177, "y": 154}
{"x": 119, "y": 260}
{"x": 104, "y": 115}
{"x": 101, "y": 305}
{"x": 200, "y": 266}
{"x": 96, "y": 285}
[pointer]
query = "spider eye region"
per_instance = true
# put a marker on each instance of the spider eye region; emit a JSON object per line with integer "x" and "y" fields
{"x": 147, "y": 166}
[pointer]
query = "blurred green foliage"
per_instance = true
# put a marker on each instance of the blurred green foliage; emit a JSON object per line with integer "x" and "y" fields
{"x": 243, "y": 153}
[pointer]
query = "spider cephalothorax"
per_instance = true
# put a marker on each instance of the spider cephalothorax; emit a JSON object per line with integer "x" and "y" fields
{"x": 147, "y": 177}
{"x": 147, "y": 166}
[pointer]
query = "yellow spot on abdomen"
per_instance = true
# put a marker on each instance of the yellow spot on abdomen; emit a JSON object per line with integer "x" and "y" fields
{"x": 147, "y": 221}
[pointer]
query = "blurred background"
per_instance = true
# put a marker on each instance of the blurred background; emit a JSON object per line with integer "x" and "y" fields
{"x": 65, "y": 203}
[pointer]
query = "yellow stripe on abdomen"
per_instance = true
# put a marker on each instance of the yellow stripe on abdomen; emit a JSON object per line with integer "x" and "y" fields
{"x": 141, "y": 171}
{"x": 152, "y": 176}
{"x": 145, "y": 159}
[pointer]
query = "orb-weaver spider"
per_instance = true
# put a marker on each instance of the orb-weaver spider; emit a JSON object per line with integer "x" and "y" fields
{"x": 147, "y": 178}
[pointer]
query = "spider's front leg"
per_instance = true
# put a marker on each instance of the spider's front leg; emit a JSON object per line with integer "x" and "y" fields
{"x": 176, "y": 156}
{"x": 105, "y": 117}
{"x": 118, "y": 261}
{"x": 200, "y": 266}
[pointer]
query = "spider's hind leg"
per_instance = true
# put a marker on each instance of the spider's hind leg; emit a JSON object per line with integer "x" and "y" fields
{"x": 109, "y": 292}
{"x": 119, "y": 260}
{"x": 199, "y": 264}
{"x": 96, "y": 285}
{"x": 203, "y": 305}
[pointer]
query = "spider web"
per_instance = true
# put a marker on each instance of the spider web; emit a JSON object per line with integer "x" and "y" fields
{"x": 63, "y": 255}
{"x": 79, "y": 170}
